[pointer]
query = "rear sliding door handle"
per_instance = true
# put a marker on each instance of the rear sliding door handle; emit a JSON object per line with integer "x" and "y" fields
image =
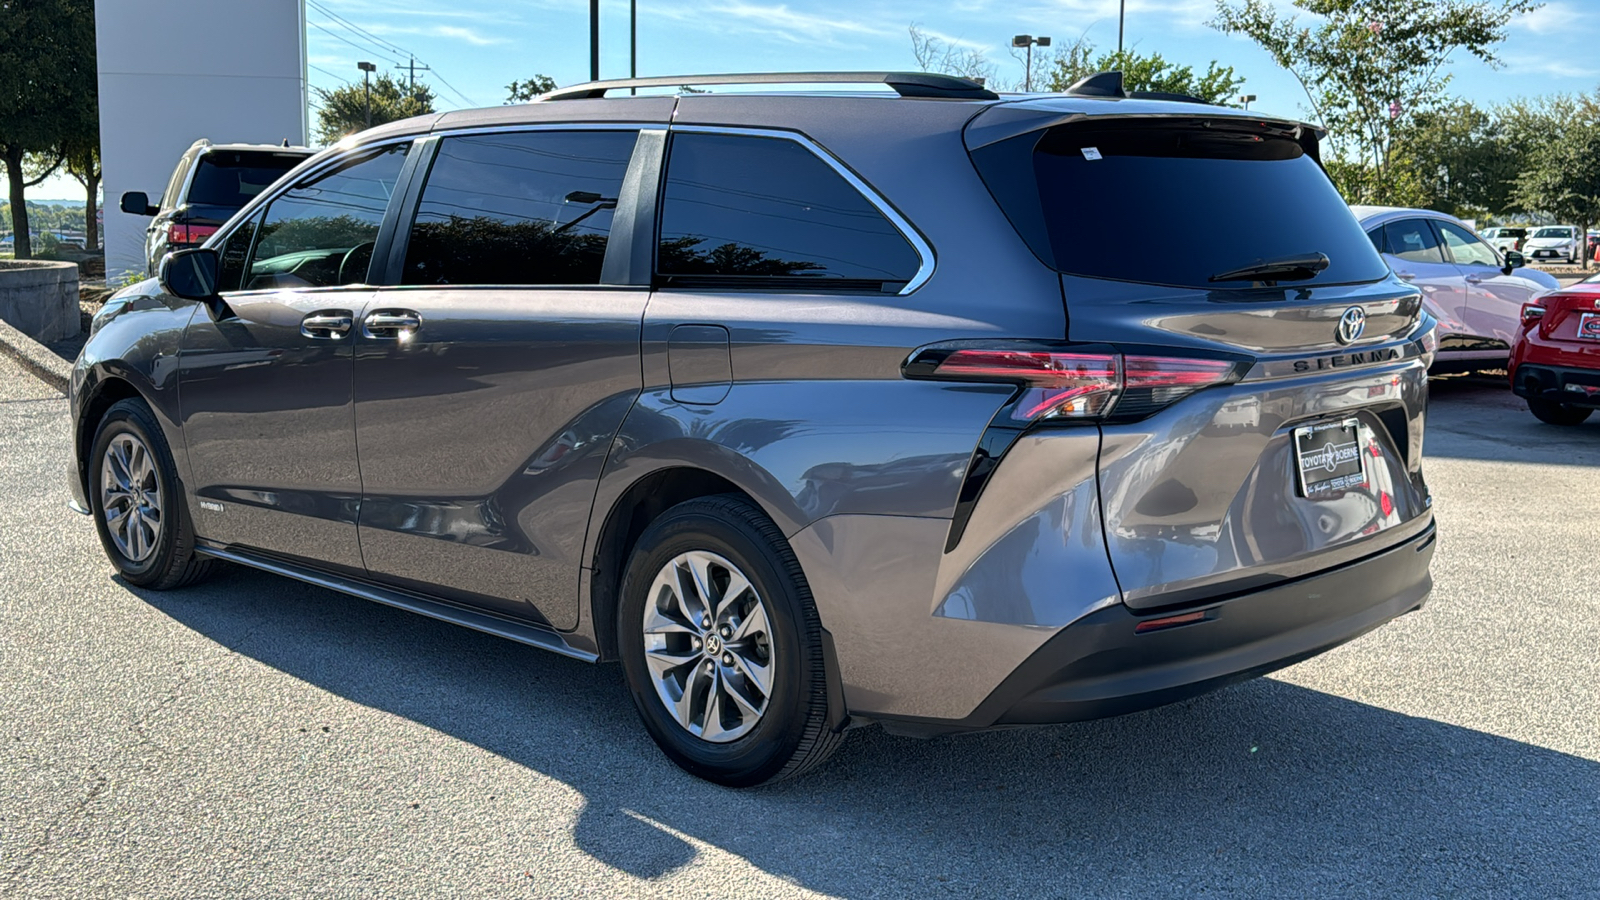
{"x": 391, "y": 323}
{"x": 331, "y": 324}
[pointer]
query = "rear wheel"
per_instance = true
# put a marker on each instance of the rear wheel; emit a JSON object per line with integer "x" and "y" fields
{"x": 722, "y": 647}
{"x": 1558, "y": 413}
{"x": 139, "y": 509}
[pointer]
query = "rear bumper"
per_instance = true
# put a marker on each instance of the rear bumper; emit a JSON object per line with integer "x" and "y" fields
{"x": 1101, "y": 666}
{"x": 1557, "y": 384}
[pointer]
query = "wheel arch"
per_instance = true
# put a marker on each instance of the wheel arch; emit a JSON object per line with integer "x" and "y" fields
{"x": 626, "y": 518}
{"x": 96, "y": 397}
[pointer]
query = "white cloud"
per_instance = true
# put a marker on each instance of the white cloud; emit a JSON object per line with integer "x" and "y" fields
{"x": 777, "y": 21}
{"x": 1543, "y": 65}
{"x": 1551, "y": 18}
{"x": 452, "y": 32}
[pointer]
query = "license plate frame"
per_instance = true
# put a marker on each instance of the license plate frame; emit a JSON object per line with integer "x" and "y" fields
{"x": 1589, "y": 326}
{"x": 1333, "y": 451}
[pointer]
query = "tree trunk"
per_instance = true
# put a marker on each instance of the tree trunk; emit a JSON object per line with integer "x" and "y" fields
{"x": 22, "y": 248}
{"x": 91, "y": 232}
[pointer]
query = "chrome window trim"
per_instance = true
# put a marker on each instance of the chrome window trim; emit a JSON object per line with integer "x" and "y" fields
{"x": 924, "y": 252}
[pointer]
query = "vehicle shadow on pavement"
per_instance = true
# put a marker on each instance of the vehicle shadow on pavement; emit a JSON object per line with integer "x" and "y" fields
{"x": 1265, "y": 789}
{"x": 1478, "y": 417}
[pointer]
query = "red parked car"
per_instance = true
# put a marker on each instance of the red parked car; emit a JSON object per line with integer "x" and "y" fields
{"x": 1555, "y": 356}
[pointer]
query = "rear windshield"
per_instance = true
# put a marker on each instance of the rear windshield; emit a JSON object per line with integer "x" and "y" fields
{"x": 232, "y": 178}
{"x": 1175, "y": 202}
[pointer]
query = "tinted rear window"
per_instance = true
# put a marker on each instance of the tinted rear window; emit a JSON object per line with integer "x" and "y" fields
{"x": 753, "y": 212}
{"x": 1175, "y": 202}
{"x": 233, "y": 178}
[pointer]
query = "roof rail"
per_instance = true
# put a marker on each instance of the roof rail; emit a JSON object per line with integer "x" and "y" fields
{"x": 1168, "y": 96}
{"x": 906, "y": 84}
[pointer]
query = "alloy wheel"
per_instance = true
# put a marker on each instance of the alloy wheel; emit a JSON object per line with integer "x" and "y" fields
{"x": 130, "y": 497}
{"x": 708, "y": 646}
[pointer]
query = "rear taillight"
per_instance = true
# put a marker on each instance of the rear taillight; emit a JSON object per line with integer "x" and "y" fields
{"x": 1074, "y": 384}
{"x": 1531, "y": 313}
{"x": 189, "y": 234}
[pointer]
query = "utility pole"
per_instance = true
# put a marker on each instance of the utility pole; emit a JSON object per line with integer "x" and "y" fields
{"x": 411, "y": 78}
{"x": 633, "y": 42}
{"x": 1122, "y": 14}
{"x": 366, "y": 86}
{"x": 594, "y": 40}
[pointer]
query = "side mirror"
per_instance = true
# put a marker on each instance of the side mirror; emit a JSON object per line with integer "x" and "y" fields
{"x": 1514, "y": 260}
{"x": 191, "y": 274}
{"x": 137, "y": 203}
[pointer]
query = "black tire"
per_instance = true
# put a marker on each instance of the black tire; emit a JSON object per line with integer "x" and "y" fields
{"x": 171, "y": 562}
{"x": 792, "y": 735}
{"x": 1558, "y": 413}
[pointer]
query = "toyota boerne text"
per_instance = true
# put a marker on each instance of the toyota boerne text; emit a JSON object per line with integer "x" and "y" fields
{"x": 813, "y": 408}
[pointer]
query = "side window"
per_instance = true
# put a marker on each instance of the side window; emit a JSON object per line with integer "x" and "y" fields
{"x": 235, "y": 253}
{"x": 1465, "y": 248}
{"x": 521, "y": 208}
{"x": 320, "y": 232}
{"x": 1376, "y": 237}
{"x": 1413, "y": 240}
{"x": 747, "y": 211}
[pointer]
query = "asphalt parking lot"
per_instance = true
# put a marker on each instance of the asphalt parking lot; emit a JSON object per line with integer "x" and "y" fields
{"x": 255, "y": 737}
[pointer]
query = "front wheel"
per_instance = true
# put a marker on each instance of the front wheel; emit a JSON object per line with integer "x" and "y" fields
{"x": 1558, "y": 413}
{"x": 722, "y": 647}
{"x": 138, "y": 508}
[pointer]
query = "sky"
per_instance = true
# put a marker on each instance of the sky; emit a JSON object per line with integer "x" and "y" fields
{"x": 476, "y": 47}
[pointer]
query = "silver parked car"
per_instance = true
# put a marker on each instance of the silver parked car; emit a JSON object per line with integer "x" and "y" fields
{"x": 1474, "y": 291}
{"x": 813, "y": 409}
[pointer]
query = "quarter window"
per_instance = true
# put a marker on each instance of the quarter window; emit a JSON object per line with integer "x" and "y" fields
{"x": 748, "y": 211}
{"x": 521, "y": 208}
{"x": 1465, "y": 248}
{"x": 320, "y": 233}
{"x": 1413, "y": 240}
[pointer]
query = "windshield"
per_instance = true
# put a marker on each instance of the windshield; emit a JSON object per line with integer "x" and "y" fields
{"x": 1106, "y": 191}
{"x": 1553, "y": 233}
{"x": 232, "y": 178}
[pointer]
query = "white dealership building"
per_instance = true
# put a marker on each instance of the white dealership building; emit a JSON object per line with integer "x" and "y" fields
{"x": 175, "y": 71}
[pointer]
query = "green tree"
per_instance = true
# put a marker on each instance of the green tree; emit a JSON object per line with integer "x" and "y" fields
{"x": 1561, "y": 174}
{"x": 48, "y": 93}
{"x": 344, "y": 109}
{"x": 1460, "y": 158}
{"x": 1364, "y": 64}
{"x": 523, "y": 91}
{"x": 1076, "y": 61}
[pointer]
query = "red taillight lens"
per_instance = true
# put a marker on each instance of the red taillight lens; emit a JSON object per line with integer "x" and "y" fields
{"x": 1079, "y": 385}
{"x": 1058, "y": 384}
{"x": 189, "y": 234}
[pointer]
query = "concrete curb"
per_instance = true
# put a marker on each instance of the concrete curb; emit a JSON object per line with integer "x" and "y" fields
{"x": 35, "y": 357}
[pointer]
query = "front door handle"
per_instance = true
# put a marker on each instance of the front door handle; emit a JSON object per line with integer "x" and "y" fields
{"x": 1475, "y": 279}
{"x": 391, "y": 323}
{"x": 332, "y": 324}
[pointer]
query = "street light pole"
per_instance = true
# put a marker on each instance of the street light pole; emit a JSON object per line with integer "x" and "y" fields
{"x": 1247, "y": 99}
{"x": 633, "y": 42}
{"x": 1122, "y": 14}
{"x": 594, "y": 40}
{"x": 1028, "y": 40}
{"x": 366, "y": 86}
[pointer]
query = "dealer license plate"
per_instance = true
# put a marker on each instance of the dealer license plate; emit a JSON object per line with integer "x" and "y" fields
{"x": 1589, "y": 326}
{"x": 1329, "y": 458}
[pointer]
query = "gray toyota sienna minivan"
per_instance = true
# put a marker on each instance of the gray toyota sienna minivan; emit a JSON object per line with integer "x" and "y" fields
{"x": 813, "y": 408}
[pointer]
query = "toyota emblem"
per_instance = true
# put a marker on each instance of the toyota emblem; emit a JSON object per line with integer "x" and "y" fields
{"x": 1351, "y": 324}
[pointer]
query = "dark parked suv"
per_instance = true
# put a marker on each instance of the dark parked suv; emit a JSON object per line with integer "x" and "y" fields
{"x": 210, "y": 183}
{"x": 813, "y": 409}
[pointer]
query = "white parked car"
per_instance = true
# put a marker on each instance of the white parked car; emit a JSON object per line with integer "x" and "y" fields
{"x": 1475, "y": 291}
{"x": 1555, "y": 242}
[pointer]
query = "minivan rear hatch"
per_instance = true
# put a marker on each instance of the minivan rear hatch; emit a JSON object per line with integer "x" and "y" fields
{"x": 1193, "y": 231}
